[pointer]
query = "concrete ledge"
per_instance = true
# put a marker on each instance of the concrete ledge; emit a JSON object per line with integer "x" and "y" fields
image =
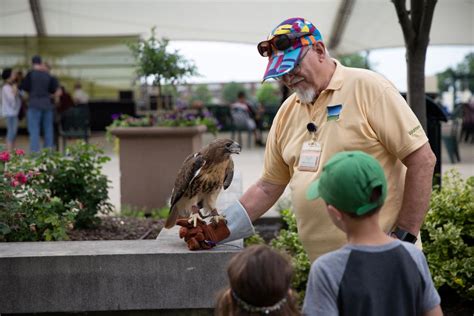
{"x": 135, "y": 275}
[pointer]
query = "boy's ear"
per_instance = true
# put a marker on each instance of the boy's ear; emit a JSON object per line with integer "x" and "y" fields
{"x": 335, "y": 212}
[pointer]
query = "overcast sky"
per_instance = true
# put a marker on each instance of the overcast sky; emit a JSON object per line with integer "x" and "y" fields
{"x": 223, "y": 62}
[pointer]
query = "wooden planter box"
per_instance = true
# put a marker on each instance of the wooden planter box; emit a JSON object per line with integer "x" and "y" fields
{"x": 149, "y": 161}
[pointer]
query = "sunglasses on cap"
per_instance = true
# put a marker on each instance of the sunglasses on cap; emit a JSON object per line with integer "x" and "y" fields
{"x": 280, "y": 42}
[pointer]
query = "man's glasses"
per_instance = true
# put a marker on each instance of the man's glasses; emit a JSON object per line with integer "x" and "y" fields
{"x": 297, "y": 67}
{"x": 280, "y": 42}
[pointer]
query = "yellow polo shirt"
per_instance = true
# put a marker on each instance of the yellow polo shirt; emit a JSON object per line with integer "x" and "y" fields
{"x": 373, "y": 118}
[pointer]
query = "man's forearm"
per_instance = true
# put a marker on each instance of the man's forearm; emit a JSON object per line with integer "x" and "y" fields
{"x": 260, "y": 197}
{"x": 417, "y": 192}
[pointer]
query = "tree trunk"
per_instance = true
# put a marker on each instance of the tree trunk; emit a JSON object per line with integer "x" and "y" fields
{"x": 416, "y": 84}
{"x": 159, "y": 104}
{"x": 416, "y": 25}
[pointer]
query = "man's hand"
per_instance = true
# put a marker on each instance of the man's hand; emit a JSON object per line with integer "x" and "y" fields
{"x": 203, "y": 236}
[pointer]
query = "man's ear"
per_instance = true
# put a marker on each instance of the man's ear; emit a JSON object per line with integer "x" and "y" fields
{"x": 335, "y": 212}
{"x": 319, "y": 48}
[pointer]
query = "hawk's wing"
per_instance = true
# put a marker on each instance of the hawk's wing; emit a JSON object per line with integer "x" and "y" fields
{"x": 186, "y": 173}
{"x": 229, "y": 174}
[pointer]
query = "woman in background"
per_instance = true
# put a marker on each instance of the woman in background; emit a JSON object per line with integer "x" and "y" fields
{"x": 11, "y": 104}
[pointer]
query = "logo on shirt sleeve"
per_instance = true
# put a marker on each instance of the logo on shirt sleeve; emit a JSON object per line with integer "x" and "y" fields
{"x": 413, "y": 130}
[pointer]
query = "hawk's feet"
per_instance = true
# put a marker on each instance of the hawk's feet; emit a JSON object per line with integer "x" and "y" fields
{"x": 216, "y": 217}
{"x": 195, "y": 216}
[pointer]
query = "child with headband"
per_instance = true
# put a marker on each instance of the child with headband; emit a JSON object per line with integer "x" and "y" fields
{"x": 259, "y": 280}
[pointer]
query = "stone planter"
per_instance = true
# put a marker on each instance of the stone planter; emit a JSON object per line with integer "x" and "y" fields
{"x": 149, "y": 161}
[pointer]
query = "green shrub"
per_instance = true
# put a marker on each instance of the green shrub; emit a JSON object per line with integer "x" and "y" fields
{"x": 289, "y": 242}
{"x": 28, "y": 209}
{"x": 255, "y": 239}
{"x": 78, "y": 177}
{"x": 448, "y": 234}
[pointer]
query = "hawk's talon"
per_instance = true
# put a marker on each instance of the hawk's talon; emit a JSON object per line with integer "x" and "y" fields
{"x": 193, "y": 218}
{"x": 216, "y": 218}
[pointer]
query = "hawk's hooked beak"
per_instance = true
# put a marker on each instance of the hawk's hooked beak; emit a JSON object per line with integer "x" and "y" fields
{"x": 235, "y": 148}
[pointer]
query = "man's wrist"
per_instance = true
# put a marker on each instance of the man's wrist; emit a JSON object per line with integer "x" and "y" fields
{"x": 403, "y": 235}
{"x": 238, "y": 222}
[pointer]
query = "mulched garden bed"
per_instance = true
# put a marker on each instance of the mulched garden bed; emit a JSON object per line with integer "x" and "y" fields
{"x": 120, "y": 228}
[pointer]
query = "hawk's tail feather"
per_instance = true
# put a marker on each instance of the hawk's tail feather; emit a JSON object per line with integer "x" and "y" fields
{"x": 172, "y": 217}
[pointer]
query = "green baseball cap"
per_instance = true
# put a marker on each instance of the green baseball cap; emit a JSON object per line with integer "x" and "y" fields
{"x": 347, "y": 182}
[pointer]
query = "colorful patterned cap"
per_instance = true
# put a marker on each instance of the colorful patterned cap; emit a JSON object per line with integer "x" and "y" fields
{"x": 283, "y": 62}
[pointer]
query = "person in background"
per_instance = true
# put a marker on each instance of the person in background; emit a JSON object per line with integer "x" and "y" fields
{"x": 259, "y": 116}
{"x": 79, "y": 96}
{"x": 373, "y": 274}
{"x": 11, "y": 104}
{"x": 65, "y": 100}
{"x": 259, "y": 284}
{"x": 244, "y": 115}
{"x": 199, "y": 109}
{"x": 40, "y": 86}
{"x": 19, "y": 80}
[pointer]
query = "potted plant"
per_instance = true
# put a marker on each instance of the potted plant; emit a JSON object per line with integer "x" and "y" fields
{"x": 156, "y": 64}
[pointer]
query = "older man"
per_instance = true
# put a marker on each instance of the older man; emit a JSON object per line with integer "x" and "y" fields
{"x": 334, "y": 108}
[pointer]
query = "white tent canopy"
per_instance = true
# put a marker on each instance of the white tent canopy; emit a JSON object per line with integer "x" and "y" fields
{"x": 360, "y": 24}
{"x": 347, "y": 26}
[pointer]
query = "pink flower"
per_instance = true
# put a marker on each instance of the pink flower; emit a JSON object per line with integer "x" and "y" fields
{"x": 19, "y": 152}
{"x": 5, "y": 156}
{"x": 14, "y": 183}
{"x": 21, "y": 177}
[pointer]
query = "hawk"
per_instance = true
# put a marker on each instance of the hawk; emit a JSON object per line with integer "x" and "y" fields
{"x": 200, "y": 180}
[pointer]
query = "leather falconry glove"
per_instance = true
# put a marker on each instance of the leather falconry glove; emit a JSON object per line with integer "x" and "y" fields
{"x": 203, "y": 236}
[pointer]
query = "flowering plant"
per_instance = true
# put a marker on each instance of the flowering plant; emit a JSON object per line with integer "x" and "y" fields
{"x": 28, "y": 210}
{"x": 169, "y": 119}
{"x": 44, "y": 197}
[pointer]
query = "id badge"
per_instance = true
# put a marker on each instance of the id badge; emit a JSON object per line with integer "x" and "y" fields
{"x": 309, "y": 156}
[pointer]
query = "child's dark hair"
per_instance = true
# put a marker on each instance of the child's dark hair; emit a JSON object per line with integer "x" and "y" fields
{"x": 260, "y": 280}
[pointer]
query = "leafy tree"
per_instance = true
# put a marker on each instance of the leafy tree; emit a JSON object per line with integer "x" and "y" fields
{"x": 230, "y": 91}
{"x": 268, "y": 95}
{"x": 463, "y": 70}
{"x": 355, "y": 60}
{"x": 155, "y": 62}
{"x": 202, "y": 93}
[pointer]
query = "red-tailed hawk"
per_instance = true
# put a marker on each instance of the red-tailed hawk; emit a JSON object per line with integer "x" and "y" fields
{"x": 200, "y": 180}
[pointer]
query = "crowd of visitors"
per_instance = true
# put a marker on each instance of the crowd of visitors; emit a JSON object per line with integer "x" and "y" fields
{"x": 38, "y": 97}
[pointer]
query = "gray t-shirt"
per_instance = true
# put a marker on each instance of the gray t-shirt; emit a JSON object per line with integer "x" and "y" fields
{"x": 390, "y": 279}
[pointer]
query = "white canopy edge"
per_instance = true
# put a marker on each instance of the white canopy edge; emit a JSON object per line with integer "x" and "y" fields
{"x": 371, "y": 24}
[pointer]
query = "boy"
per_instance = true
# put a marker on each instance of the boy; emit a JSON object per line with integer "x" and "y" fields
{"x": 373, "y": 274}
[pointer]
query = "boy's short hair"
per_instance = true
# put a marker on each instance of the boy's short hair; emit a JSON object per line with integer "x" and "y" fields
{"x": 348, "y": 181}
